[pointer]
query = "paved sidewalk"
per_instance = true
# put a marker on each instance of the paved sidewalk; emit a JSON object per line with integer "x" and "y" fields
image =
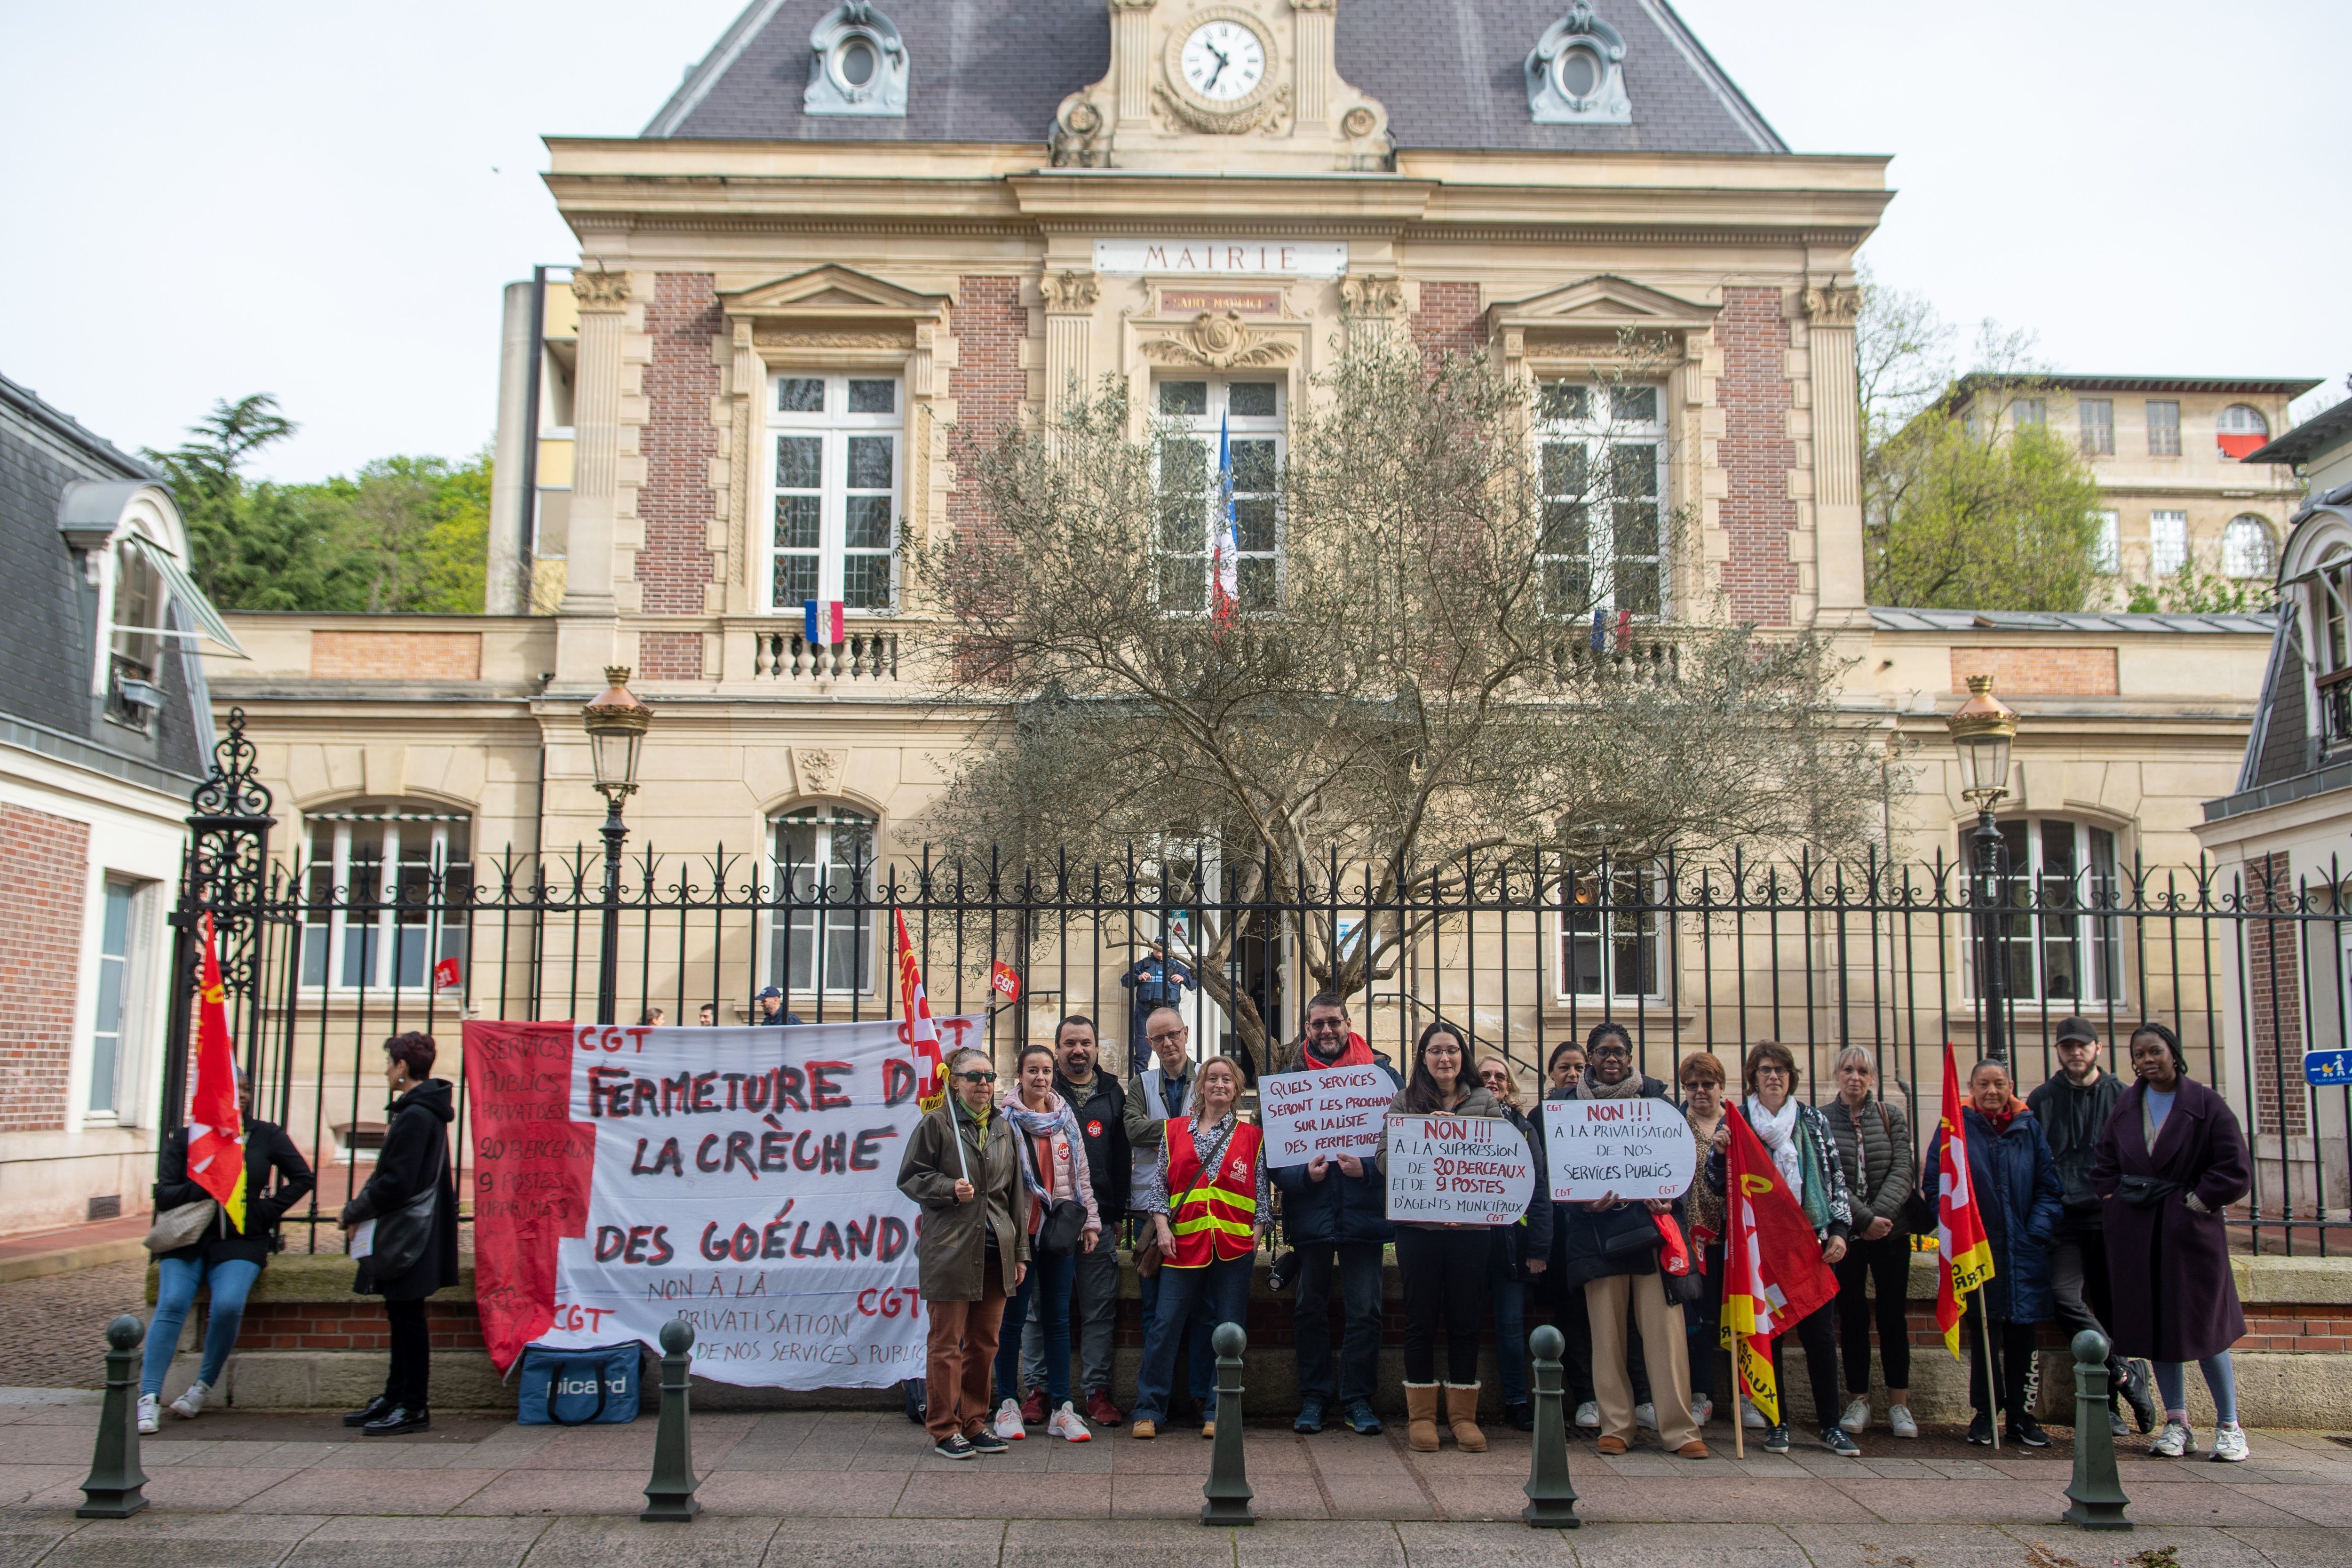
{"x": 805, "y": 1490}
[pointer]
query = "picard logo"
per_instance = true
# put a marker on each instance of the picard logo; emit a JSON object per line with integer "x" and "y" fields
{"x": 588, "y": 1385}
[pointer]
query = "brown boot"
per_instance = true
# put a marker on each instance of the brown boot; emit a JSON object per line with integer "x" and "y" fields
{"x": 1462, "y": 1414}
{"x": 1421, "y": 1414}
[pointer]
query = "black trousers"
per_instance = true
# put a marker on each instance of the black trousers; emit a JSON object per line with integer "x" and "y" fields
{"x": 2011, "y": 1347}
{"x": 1821, "y": 1367}
{"x": 1883, "y": 1265}
{"x": 412, "y": 1356}
{"x": 1355, "y": 1266}
{"x": 1444, "y": 1282}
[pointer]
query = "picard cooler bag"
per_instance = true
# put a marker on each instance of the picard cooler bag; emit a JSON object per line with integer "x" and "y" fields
{"x": 579, "y": 1387}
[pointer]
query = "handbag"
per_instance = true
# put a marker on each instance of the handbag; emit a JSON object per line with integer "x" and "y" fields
{"x": 1625, "y": 1232}
{"x": 1147, "y": 1263}
{"x": 401, "y": 1236}
{"x": 2146, "y": 1191}
{"x": 1063, "y": 1221}
{"x": 1678, "y": 1269}
{"x": 597, "y": 1387}
{"x": 182, "y": 1227}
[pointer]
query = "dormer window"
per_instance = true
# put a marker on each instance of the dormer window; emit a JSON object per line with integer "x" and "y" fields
{"x": 857, "y": 64}
{"x": 1575, "y": 73}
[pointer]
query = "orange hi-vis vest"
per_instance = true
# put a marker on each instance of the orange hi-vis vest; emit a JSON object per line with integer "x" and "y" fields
{"x": 1218, "y": 1218}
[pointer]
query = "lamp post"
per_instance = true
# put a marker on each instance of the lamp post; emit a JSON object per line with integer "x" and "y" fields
{"x": 616, "y": 724}
{"x": 1982, "y": 730}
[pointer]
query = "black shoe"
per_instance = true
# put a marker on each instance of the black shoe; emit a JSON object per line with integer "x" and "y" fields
{"x": 1776, "y": 1440}
{"x": 954, "y": 1448}
{"x": 2027, "y": 1433}
{"x": 987, "y": 1442}
{"x": 398, "y": 1419}
{"x": 1285, "y": 1270}
{"x": 1980, "y": 1430}
{"x": 1835, "y": 1438}
{"x": 1309, "y": 1420}
{"x": 368, "y": 1412}
{"x": 1522, "y": 1417}
{"x": 2135, "y": 1394}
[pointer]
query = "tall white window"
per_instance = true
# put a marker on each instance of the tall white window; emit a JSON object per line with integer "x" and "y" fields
{"x": 2060, "y": 941}
{"x": 2247, "y": 550}
{"x": 2027, "y": 411}
{"x": 2163, "y": 427}
{"x": 112, "y": 1018}
{"x": 2098, "y": 425}
{"x": 2107, "y": 544}
{"x": 1193, "y": 415}
{"x": 1609, "y": 937}
{"x": 836, "y": 478}
{"x": 134, "y": 655}
{"x": 2168, "y": 542}
{"x": 1601, "y": 459}
{"x": 388, "y": 893}
{"x": 823, "y": 938}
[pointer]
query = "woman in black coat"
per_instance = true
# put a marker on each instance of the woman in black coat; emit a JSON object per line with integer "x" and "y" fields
{"x": 2169, "y": 1160}
{"x": 414, "y": 1159}
{"x": 227, "y": 1260}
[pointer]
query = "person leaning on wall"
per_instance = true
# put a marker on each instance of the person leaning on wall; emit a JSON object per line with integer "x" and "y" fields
{"x": 415, "y": 1159}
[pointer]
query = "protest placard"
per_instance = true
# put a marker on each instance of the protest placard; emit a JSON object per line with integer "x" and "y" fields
{"x": 1458, "y": 1170}
{"x": 1330, "y": 1113}
{"x": 1633, "y": 1148}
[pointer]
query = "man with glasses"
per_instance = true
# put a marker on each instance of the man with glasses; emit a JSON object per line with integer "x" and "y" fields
{"x": 1159, "y": 1097}
{"x": 1334, "y": 1217}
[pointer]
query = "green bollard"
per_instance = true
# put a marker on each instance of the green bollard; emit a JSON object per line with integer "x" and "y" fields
{"x": 2097, "y": 1491}
{"x": 669, "y": 1495}
{"x": 1551, "y": 1499}
{"x": 112, "y": 1491}
{"x": 1227, "y": 1489}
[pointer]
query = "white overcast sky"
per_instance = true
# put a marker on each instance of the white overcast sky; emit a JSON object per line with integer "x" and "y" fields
{"x": 322, "y": 199}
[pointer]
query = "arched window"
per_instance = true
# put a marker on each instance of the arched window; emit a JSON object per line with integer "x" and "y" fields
{"x": 823, "y": 937}
{"x": 2057, "y": 874}
{"x": 2248, "y": 550}
{"x": 389, "y": 884}
{"x": 2240, "y": 429}
{"x": 134, "y": 655}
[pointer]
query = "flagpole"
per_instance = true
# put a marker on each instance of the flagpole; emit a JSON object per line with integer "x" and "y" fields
{"x": 1993, "y": 1384}
{"x": 1739, "y": 1417}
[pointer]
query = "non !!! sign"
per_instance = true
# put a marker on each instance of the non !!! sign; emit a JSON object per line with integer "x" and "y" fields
{"x": 1630, "y": 1148}
{"x": 1458, "y": 1170}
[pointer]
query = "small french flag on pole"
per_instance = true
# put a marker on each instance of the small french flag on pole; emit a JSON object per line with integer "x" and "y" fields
{"x": 822, "y": 623}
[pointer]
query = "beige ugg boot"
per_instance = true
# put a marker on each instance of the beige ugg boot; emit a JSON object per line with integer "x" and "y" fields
{"x": 1462, "y": 1414}
{"x": 1420, "y": 1414}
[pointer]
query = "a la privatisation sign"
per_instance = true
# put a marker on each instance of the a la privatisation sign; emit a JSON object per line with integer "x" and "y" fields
{"x": 744, "y": 1180}
{"x": 1632, "y": 1147}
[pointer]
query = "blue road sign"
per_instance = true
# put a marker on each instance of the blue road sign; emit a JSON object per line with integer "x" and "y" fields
{"x": 2327, "y": 1066}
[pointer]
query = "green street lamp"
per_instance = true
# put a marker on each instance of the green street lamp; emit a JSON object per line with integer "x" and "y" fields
{"x": 616, "y": 723}
{"x": 1983, "y": 730}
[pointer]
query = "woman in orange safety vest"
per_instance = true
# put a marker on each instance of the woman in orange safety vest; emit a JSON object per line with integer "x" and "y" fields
{"x": 1207, "y": 1197}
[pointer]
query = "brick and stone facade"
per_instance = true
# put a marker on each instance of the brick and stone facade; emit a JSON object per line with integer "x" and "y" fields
{"x": 40, "y": 952}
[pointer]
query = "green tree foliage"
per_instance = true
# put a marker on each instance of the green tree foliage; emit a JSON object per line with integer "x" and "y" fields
{"x": 404, "y": 533}
{"x": 2200, "y": 588}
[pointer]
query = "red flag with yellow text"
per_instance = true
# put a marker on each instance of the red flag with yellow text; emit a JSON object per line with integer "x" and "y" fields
{"x": 1959, "y": 1226}
{"x": 215, "y": 1122}
{"x": 1773, "y": 1275}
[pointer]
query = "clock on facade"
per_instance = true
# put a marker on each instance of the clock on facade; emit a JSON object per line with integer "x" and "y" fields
{"x": 1222, "y": 61}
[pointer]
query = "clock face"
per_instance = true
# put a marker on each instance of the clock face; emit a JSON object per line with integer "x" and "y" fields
{"x": 1223, "y": 62}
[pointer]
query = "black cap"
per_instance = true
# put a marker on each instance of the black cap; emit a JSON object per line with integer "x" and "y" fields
{"x": 2077, "y": 1028}
{"x": 768, "y": 992}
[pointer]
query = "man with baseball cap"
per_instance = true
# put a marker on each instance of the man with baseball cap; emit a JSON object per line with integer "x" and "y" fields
{"x": 2071, "y": 1108}
{"x": 770, "y": 1006}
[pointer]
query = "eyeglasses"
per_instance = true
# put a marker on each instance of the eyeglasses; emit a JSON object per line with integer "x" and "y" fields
{"x": 1326, "y": 1025}
{"x": 1693, "y": 1085}
{"x": 1599, "y": 1051}
{"x": 977, "y": 1077}
{"x": 1165, "y": 1036}
{"x": 1775, "y": 1069}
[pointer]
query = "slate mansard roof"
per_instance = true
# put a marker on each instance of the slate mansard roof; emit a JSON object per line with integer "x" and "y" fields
{"x": 1451, "y": 73}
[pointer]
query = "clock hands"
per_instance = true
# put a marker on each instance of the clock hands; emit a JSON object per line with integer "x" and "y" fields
{"x": 1222, "y": 61}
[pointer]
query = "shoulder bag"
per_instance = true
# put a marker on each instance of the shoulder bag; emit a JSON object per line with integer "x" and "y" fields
{"x": 1064, "y": 1220}
{"x": 1147, "y": 1263}
{"x": 182, "y": 1227}
{"x": 401, "y": 1236}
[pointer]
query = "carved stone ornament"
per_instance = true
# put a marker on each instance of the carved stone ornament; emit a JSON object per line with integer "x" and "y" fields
{"x": 600, "y": 290}
{"x": 1312, "y": 5}
{"x": 1833, "y": 305}
{"x": 1221, "y": 343}
{"x": 1266, "y": 114}
{"x": 1575, "y": 73}
{"x": 819, "y": 771}
{"x": 768, "y": 337}
{"x": 1360, "y": 121}
{"x": 1078, "y": 141}
{"x": 1071, "y": 291}
{"x": 1375, "y": 294}
{"x": 857, "y": 64}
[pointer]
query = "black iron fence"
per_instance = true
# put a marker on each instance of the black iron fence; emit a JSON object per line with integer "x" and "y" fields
{"x": 1525, "y": 952}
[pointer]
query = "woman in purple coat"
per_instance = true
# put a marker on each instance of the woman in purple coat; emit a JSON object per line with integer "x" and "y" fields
{"x": 2171, "y": 1159}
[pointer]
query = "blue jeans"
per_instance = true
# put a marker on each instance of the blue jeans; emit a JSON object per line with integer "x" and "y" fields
{"x": 1201, "y": 1367}
{"x": 1509, "y": 1296}
{"x": 1224, "y": 1288}
{"x": 176, "y": 1292}
{"x": 1048, "y": 1284}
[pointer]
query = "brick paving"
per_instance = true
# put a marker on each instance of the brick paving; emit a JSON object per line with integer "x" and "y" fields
{"x": 806, "y": 1490}
{"x": 53, "y": 1328}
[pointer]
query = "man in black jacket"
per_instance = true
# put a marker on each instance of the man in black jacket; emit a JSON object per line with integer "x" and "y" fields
{"x": 2071, "y": 1108}
{"x": 1100, "y": 1102}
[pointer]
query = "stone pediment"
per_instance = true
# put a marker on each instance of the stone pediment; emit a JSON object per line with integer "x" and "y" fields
{"x": 1601, "y": 303}
{"x": 831, "y": 293}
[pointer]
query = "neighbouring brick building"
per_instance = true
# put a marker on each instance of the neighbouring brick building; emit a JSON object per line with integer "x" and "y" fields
{"x": 104, "y": 726}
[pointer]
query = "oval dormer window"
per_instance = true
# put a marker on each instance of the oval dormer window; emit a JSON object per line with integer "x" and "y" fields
{"x": 855, "y": 60}
{"x": 1581, "y": 73}
{"x": 857, "y": 63}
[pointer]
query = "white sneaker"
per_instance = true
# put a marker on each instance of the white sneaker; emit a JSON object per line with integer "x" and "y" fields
{"x": 2175, "y": 1440}
{"x": 149, "y": 1418}
{"x": 1751, "y": 1418}
{"x": 2229, "y": 1445}
{"x": 1899, "y": 1421}
{"x": 1007, "y": 1423}
{"x": 1702, "y": 1412}
{"x": 1588, "y": 1414}
{"x": 1069, "y": 1425}
{"x": 191, "y": 1404}
{"x": 1646, "y": 1415}
{"x": 1857, "y": 1419}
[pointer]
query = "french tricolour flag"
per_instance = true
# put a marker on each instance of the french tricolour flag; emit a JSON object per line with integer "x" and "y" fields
{"x": 1226, "y": 550}
{"x": 821, "y": 622}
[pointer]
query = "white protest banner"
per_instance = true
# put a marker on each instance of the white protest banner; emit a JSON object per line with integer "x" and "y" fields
{"x": 744, "y": 1180}
{"x": 1634, "y": 1148}
{"x": 1458, "y": 1170}
{"x": 1327, "y": 1111}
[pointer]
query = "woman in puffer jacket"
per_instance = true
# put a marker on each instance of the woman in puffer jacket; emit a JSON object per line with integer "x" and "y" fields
{"x": 1053, "y": 1170}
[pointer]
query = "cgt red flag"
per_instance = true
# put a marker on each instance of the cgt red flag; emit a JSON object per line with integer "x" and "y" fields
{"x": 1004, "y": 981}
{"x": 916, "y": 1029}
{"x": 1773, "y": 1275}
{"x": 216, "y": 1121}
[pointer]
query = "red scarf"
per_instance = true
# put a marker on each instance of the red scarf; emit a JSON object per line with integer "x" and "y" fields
{"x": 1356, "y": 1055}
